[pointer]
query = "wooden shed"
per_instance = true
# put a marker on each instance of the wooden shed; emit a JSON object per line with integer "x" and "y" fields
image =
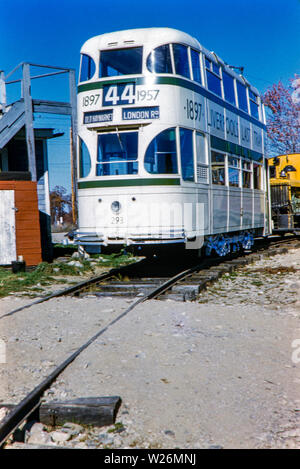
{"x": 19, "y": 222}
{"x": 30, "y": 203}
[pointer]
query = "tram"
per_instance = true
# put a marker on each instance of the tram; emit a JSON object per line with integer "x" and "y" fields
{"x": 171, "y": 147}
{"x": 285, "y": 193}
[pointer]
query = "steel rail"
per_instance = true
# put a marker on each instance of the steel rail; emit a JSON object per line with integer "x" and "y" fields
{"x": 32, "y": 401}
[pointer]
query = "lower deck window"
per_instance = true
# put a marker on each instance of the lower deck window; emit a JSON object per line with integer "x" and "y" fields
{"x": 84, "y": 159}
{"x": 233, "y": 171}
{"x": 256, "y": 176}
{"x": 218, "y": 168}
{"x": 187, "y": 154}
{"x": 117, "y": 154}
{"x": 246, "y": 174}
{"x": 161, "y": 154}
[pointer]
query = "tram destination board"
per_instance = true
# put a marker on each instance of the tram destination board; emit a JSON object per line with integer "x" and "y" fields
{"x": 97, "y": 116}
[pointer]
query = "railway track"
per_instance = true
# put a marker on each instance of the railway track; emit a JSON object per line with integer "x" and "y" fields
{"x": 185, "y": 284}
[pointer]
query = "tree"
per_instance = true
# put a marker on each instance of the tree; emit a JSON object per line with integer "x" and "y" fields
{"x": 283, "y": 117}
{"x": 60, "y": 204}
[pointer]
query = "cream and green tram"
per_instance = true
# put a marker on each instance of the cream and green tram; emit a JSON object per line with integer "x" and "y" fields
{"x": 170, "y": 147}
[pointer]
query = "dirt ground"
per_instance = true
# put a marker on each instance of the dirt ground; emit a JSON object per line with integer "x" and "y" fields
{"x": 220, "y": 372}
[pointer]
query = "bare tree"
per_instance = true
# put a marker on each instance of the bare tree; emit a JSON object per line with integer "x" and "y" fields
{"x": 60, "y": 204}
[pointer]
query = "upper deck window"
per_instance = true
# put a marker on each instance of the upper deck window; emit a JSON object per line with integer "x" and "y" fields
{"x": 181, "y": 60}
{"x": 117, "y": 154}
{"x": 242, "y": 96}
{"x": 87, "y": 68}
{"x": 120, "y": 62}
{"x": 213, "y": 77}
{"x": 228, "y": 87}
{"x": 253, "y": 104}
{"x": 159, "y": 60}
{"x": 195, "y": 58}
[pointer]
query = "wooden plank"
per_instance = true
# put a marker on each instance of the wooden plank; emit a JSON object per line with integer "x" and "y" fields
{"x": 7, "y": 227}
{"x": 98, "y": 411}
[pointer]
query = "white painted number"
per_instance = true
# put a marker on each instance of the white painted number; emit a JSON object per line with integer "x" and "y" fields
{"x": 112, "y": 95}
{"x": 128, "y": 94}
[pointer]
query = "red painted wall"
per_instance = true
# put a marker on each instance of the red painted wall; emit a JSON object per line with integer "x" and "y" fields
{"x": 28, "y": 236}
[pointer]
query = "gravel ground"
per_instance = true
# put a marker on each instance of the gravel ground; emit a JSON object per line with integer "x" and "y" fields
{"x": 219, "y": 372}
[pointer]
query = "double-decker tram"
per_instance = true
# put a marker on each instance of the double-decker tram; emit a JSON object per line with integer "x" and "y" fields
{"x": 171, "y": 146}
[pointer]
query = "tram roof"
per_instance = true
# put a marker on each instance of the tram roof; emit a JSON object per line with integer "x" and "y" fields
{"x": 154, "y": 37}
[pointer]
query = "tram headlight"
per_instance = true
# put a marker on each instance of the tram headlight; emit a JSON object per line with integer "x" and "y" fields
{"x": 116, "y": 206}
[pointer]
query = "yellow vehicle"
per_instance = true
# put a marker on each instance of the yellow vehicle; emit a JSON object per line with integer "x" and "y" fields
{"x": 284, "y": 171}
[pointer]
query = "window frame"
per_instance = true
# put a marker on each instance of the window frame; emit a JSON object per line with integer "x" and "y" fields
{"x": 193, "y": 153}
{"x": 171, "y": 60}
{"x": 234, "y": 89}
{"x": 255, "y": 102}
{"x": 188, "y": 60}
{"x": 100, "y": 164}
{"x": 220, "y": 152}
{"x": 199, "y": 164}
{"x": 219, "y": 76}
{"x": 238, "y": 83}
{"x": 91, "y": 62}
{"x": 246, "y": 170}
{"x": 177, "y": 173}
{"x": 235, "y": 167}
{"x": 121, "y": 49}
{"x": 191, "y": 49}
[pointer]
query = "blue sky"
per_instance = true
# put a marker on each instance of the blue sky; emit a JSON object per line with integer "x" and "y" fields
{"x": 261, "y": 35}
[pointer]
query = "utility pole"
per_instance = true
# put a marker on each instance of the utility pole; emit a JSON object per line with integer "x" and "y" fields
{"x": 73, "y": 179}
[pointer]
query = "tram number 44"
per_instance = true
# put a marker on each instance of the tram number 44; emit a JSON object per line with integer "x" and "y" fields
{"x": 193, "y": 110}
{"x": 123, "y": 93}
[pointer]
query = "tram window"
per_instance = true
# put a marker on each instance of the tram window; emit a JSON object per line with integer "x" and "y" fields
{"x": 181, "y": 60}
{"x": 195, "y": 57}
{"x": 233, "y": 171}
{"x": 187, "y": 154}
{"x": 201, "y": 149}
{"x": 161, "y": 154}
{"x": 216, "y": 68}
{"x": 246, "y": 174}
{"x": 213, "y": 77}
{"x": 242, "y": 96}
{"x": 159, "y": 60}
{"x": 213, "y": 83}
{"x": 87, "y": 69}
{"x": 218, "y": 168}
{"x": 120, "y": 62}
{"x": 84, "y": 159}
{"x": 228, "y": 87}
{"x": 117, "y": 154}
{"x": 256, "y": 176}
{"x": 253, "y": 104}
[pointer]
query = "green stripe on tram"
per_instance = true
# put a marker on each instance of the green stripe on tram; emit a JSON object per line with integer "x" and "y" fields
{"x": 130, "y": 182}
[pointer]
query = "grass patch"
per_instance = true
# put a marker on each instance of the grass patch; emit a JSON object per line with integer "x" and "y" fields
{"x": 46, "y": 273}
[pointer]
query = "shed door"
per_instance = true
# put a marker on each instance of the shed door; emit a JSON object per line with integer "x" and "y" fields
{"x": 7, "y": 227}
